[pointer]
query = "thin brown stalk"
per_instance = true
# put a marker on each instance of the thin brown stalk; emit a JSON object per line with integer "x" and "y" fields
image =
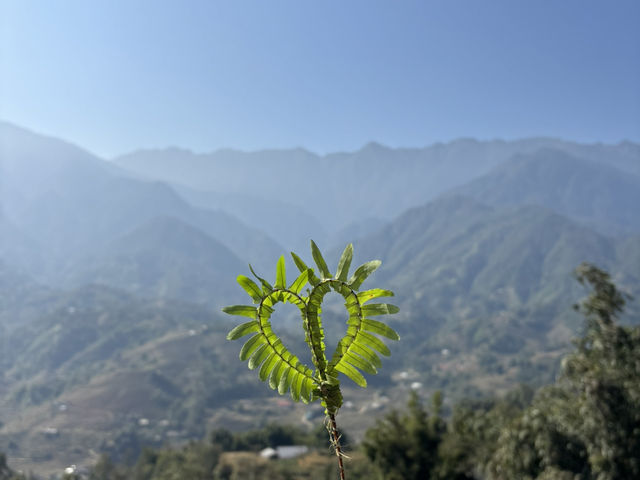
{"x": 335, "y": 441}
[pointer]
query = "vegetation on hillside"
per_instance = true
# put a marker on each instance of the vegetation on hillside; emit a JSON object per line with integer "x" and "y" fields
{"x": 585, "y": 426}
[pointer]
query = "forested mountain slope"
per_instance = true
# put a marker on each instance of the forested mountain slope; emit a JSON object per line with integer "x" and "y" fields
{"x": 596, "y": 194}
{"x": 70, "y": 203}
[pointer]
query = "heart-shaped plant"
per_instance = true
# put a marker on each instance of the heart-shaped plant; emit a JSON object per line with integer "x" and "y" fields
{"x": 357, "y": 350}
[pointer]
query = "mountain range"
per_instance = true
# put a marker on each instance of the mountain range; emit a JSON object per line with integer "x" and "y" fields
{"x": 112, "y": 274}
{"x": 590, "y": 192}
{"x": 69, "y": 204}
{"x": 338, "y": 189}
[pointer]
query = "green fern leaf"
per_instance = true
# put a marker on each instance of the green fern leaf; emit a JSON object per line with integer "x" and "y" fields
{"x": 313, "y": 280}
{"x": 344, "y": 263}
{"x": 359, "y": 362}
{"x": 379, "y": 309}
{"x": 251, "y": 345}
{"x": 243, "y": 329}
{"x": 274, "y": 379}
{"x": 296, "y": 386}
{"x": 352, "y": 373}
{"x": 244, "y": 310}
{"x": 259, "y": 356}
{"x": 367, "y": 353}
{"x": 250, "y": 287}
{"x": 317, "y": 257}
{"x": 268, "y": 366}
{"x": 266, "y": 286}
{"x": 362, "y": 272}
{"x": 373, "y": 342}
{"x": 307, "y": 389}
{"x": 373, "y": 293}
{"x": 300, "y": 282}
{"x": 379, "y": 328}
{"x": 281, "y": 274}
{"x": 285, "y": 380}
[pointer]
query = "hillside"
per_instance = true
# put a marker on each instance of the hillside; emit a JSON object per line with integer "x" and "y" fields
{"x": 491, "y": 286}
{"x": 21, "y": 298}
{"x": 107, "y": 372}
{"x": 165, "y": 258}
{"x": 595, "y": 194}
{"x": 71, "y": 204}
{"x": 277, "y": 217}
{"x": 111, "y": 359}
{"x": 16, "y": 246}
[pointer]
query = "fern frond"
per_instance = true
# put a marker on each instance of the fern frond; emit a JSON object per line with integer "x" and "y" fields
{"x": 356, "y": 353}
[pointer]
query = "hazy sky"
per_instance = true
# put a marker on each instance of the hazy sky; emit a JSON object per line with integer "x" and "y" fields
{"x": 116, "y": 75}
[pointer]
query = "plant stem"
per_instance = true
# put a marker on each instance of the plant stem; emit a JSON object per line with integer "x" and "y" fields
{"x": 336, "y": 444}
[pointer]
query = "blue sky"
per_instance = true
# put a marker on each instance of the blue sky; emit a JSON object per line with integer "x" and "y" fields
{"x": 117, "y": 75}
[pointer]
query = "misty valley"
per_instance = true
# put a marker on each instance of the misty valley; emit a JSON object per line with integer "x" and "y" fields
{"x": 114, "y": 356}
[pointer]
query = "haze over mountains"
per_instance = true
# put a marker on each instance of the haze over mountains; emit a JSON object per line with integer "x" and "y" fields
{"x": 112, "y": 272}
{"x": 70, "y": 203}
{"x": 577, "y": 188}
{"x": 373, "y": 182}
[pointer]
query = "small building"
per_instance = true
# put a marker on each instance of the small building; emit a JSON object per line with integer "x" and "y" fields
{"x": 284, "y": 452}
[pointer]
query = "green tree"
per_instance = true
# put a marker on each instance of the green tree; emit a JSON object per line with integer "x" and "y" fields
{"x": 473, "y": 431}
{"x": 536, "y": 444}
{"x": 196, "y": 461}
{"x": 6, "y": 473}
{"x": 603, "y": 374}
{"x": 404, "y": 446}
{"x": 586, "y": 426}
{"x": 105, "y": 469}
